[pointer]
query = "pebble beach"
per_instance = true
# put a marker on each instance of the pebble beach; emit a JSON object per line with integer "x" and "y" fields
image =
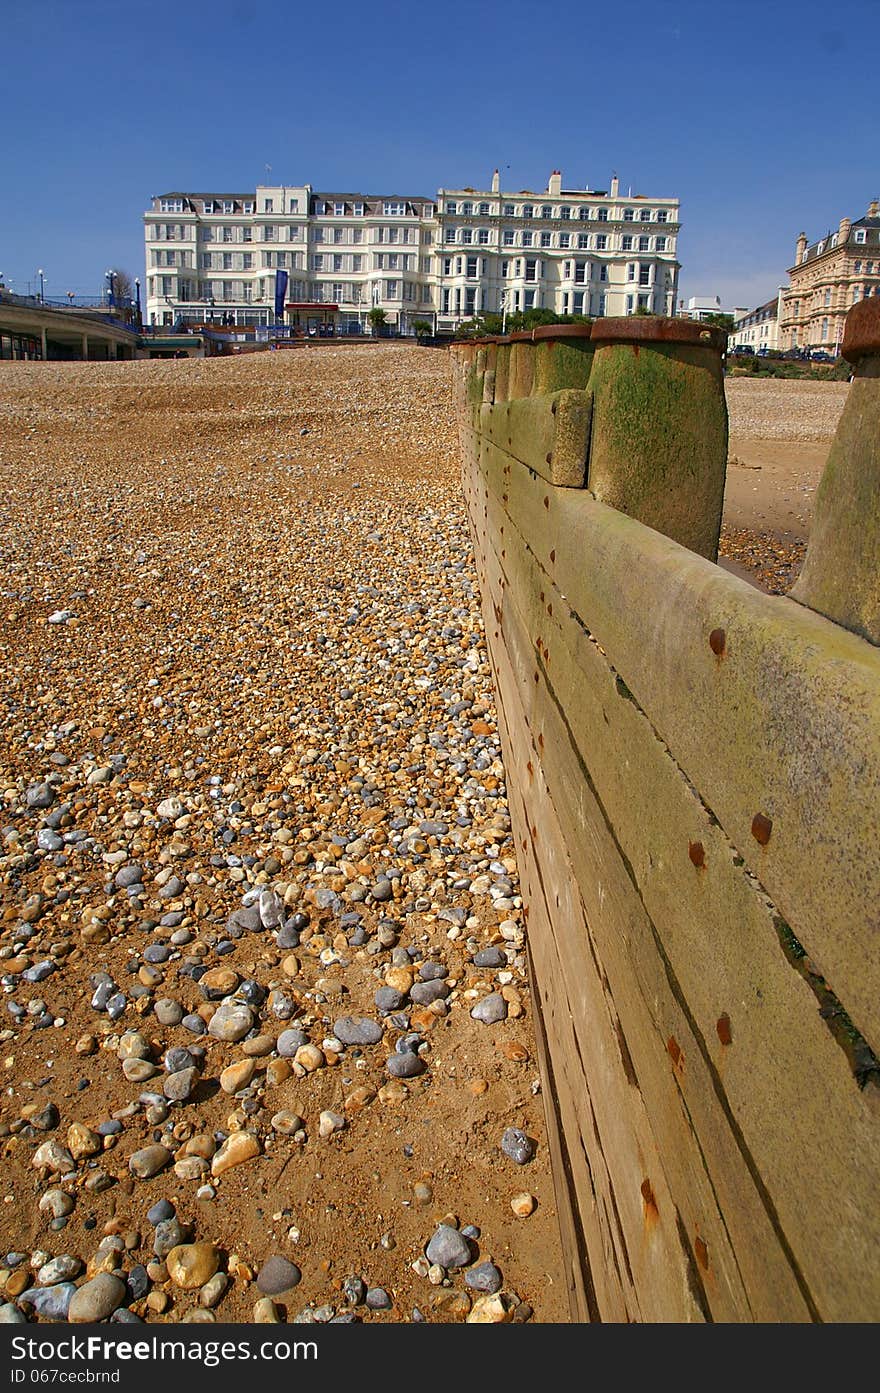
{"x": 266, "y": 1039}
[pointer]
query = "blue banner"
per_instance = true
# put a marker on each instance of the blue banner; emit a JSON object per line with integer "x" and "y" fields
{"x": 280, "y": 293}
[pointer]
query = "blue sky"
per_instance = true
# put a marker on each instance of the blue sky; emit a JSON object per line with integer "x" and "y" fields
{"x": 761, "y": 115}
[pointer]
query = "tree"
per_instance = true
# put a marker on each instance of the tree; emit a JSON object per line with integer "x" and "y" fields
{"x": 377, "y": 318}
{"x": 422, "y": 328}
{"x": 721, "y": 321}
{"x": 122, "y": 286}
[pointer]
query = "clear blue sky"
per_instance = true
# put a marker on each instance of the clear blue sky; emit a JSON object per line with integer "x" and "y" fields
{"x": 761, "y": 115}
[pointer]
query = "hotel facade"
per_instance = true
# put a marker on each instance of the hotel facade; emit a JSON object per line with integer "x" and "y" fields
{"x": 214, "y": 257}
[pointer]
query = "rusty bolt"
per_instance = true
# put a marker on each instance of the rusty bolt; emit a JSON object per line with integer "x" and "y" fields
{"x": 697, "y": 853}
{"x": 717, "y": 641}
{"x": 722, "y": 1025}
{"x": 761, "y": 828}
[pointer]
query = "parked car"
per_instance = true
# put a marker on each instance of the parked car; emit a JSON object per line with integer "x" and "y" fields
{"x": 795, "y": 355}
{"x": 743, "y": 350}
{"x": 820, "y": 356}
{"x": 762, "y": 352}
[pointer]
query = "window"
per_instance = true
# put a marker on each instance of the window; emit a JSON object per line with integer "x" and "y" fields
{"x": 601, "y": 241}
{"x": 578, "y": 302}
{"x": 824, "y": 328}
{"x": 452, "y": 207}
{"x": 660, "y": 244}
{"x": 227, "y": 234}
{"x": 247, "y": 261}
{"x": 248, "y": 206}
{"x": 467, "y": 210}
{"x": 483, "y": 236}
{"x": 228, "y": 205}
{"x": 545, "y": 239}
{"x": 827, "y": 297}
{"x": 528, "y": 211}
{"x": 318, "y": 262}
{"x": 508, "y": 210}
{"x": 450, "y": 234}
{"x": 172, "y": 205}
{"x": 583, "y": 240}
{"x": 580, "y": 272}
{"x": 531, "y": 269}
{"x": 546, "y": 211}
{"x": 644, "y": 273}
{"x": 602, "y": 215}
{"x": 338, "y": 210}
{"x": 869, "y": 268}
{"x": 631, "y": 270}
{"x": 447, "y": 266}
{"x": 391, "y": 290}
{"x": 662, "y": 215}
{"x": 529, "y": 300}
{"x": 268, "y": 205}
{"x": 601, "y": 302}
{"x": 393, "y": 210}
{"x": 337, "y": 263}
{"x": 860, "y": 234}
{"x": 566, "y": 270}
{"x": 565, "y": 239}
{"x": 472, "y": 267}
{"x": 505, "y": 269}
{"x": 470, "y": 300}
{"x": 444, "y": 302}
{"x": 527, "y": 239}
{"x": 337, "y": 235}
{"x": 644, "y": 302}
{"x": 626, "y": 243}
{"x": 359, "y": 210}
{"x": 629, "y": 304}
{"x": 268, "y": 233}
{"x": 205, "y": 261}
{"x": 603, "y": 274}
{"x": 247, "y": 234}
{"x": 167, "y": 283}
{"x": 357, "y": 263}
{"x": 645, "y": 215}
{"x": 467, "y": 235}
{"x": 644, "y": 244}
{"x": 628, "y": 214}
{"x": 357, "y": 235}
{"x": 507, "y": 237}
{"x": 227, "y": 261}
{"x": 484, "y": 210}
{"x": 565, "y": 213}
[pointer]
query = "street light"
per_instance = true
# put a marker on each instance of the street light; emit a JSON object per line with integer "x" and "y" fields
{"x": 40, "y": 274}
{"x": 109, "y": 277}
{"x": 504, "y": 295}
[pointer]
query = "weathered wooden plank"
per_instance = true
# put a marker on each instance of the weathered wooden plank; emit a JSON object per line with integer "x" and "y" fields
{"x": 549, "y": 434}
{"x": 800, "y": 1098}
{"x": 784, "y": 723}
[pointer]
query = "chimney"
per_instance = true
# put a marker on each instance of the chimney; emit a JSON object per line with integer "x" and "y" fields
{"x": 495, "y": 182}
{"x": 843, "y": 230}
{"x": 801, "y": 248}
{"x": 873, "y": 208}
{"x": 615, "y": 186}
{"x": 554, "y": 187}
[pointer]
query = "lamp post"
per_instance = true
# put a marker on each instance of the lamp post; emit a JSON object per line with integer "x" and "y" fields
{"x": 137, "y": 300}
{"x": 40, "y": 274}
{"x": 109, "y": 278}
{"x": 504, "y": 295}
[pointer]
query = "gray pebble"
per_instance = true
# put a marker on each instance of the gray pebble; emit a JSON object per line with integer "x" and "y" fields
{"x": 484, "y": 1277}
{"x": 517, "y": 1146}
{"x": 231, "y": 1021}
{"x": 128, "y": 875}
{"x": 357, "y": 1030}
{"x": 277, "y": 1275}
{"x": 10, "y": 1315}
{"x": 377, "y": 1299}
{"x": 97, "y": 1300}
{"x": 149, "y": 1161}
{"x": 194, "y": 1024}
{"x": 490, "y": 957}
{"x": 50, "y": 1303}
{"x": 162, "y": 1209}
{"x": 168, "y": 1011}
{"x": 40, "y": 796}
{"x": 169, "y": 1233}
{"x": 423, "y": 993}
{"x": 405, "y": 1066}
{"x": 61, "y": 1269}
{"x": 354, "y": 1289}
{"x": 289, "y": 1041}
{"x": 448, "y": 1248}
{"x": 491, "y": 1009}
{"x": 178, "y": 1086}
{"x": 387, "y": 1000}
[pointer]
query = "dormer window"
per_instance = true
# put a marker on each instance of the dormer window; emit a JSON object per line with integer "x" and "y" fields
{"x": 268, "y": 205}
{"x": 394, "y": 209}
{"x": 248, "y": 205}
{"x": 860, "y": 234}
{"x": 208, "y": 205}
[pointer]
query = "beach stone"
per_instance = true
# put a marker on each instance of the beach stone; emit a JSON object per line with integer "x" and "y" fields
{"x": 10, "y": 1315}
{"x": 61, "y": 1269}
{"x": 82, "y": 1141}
{"x": 523, "y": 1204}
{"x": 161, "y": 1210}
{"x": 97, "y": 1299}
{"x": 191, "y": 1265}
{"x": 484, "y": 1277}
{"x": 517, "y": 1145}
{"x": 387, "y": 999}
{"x": 405, "y": 1065}
{"x": 168, "y": 1011}
{"x": 490, "y": 1310}
{"x": 237, "y": 1075}
{"x": 423, "y": 993}
{"x": 357, "y": 1030}
{"x": 491, "y": 1009}
{"x": 238, "y": 1148}
{"x": 149, "y": 1161}
{"x": 178, "y": 1087}
{"x": 448, "y": 1248}
{"x": 278, "y": 1275}
{"x": 490, "y": 957}
{"x": 231, "y": 1021}
{"x": 266, "y": 1312}
{"x": 51, "y": 1155}
{"x": 170, "y": 808}
{"x": 41, "y": 795}
{"x": 49, "y": 1303}
{"x": 289, "y": 1041}
{"x": 139, "y": 1070}
{"x": 377, "y": 1299}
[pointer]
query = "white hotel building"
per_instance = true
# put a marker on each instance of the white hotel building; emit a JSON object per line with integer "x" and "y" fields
{"x": 573, "y": 251}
